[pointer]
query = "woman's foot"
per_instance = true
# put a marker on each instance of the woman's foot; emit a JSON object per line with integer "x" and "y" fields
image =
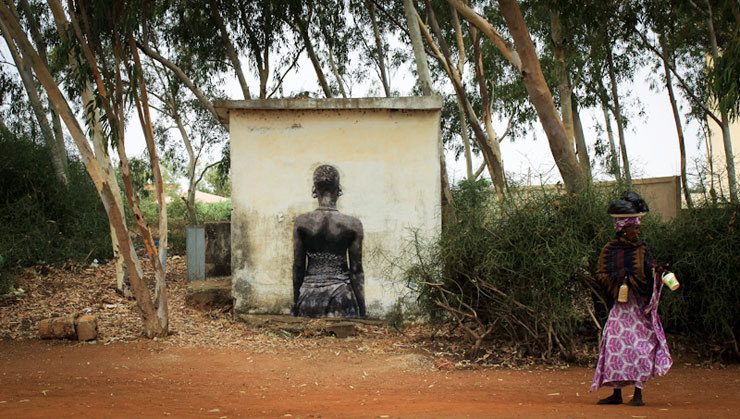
{"x": 637, "y": 398}
{"x": 615, "y": 398}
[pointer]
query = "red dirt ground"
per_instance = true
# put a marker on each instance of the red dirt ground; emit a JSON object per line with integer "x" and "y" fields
{"x": 337, "y": 378}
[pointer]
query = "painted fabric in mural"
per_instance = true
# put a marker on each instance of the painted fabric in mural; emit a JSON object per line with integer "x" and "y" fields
{"x": 633, "y": 346}
{"x": 326, "y": 290}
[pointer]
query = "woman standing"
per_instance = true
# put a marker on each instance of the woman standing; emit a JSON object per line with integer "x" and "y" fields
{"x": 633, "y": 346}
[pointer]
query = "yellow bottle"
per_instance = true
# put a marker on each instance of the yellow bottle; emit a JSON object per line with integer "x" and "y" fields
{"x": 624, "y": 291}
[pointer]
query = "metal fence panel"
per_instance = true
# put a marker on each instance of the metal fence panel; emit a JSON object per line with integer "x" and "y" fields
{"x": 196, "y": 253}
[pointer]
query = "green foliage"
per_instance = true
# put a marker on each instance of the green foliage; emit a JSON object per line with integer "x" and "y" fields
{"x": 725, "y": 78}
{"x": 40, "y": 220}
{"x": 513, "y": 269}
{"x": 177, "y": 218}
{"x": 701, "y": 248}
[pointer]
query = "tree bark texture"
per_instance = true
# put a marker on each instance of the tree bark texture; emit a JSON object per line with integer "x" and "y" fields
{"x": 614, "y": 168}
{"x": 493, "y": 161}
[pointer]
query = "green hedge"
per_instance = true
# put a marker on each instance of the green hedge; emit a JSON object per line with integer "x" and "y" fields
{"x": 40, "y": 220}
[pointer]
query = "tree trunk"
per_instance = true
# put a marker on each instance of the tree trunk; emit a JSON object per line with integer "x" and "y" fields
{"x": 461, "y": 113}
{"x": 158, "y": 263}
{"x": 302, "y": 28}
{"x": 230, "y": 51}
{"x": 493, "y": 160}
{"x": 613, "y": 157}
{"x": 335, "y": 71}
{"x": 466, "y": 143}
{"x": 580, "y": 139}
{"x": 498, "y": 178}
{"x": 101, "y": 181}
{"x": 560, "y": 145}
{"x": 422, "y": 68}
{"x": 561, "y": 71}
{"x": 25, "y": 71}
{"x": 617, "y": 111}
{"x": 726, "y": 138}
{"x": 33, "y": 25}
{"x": 677, "y": 119}
{"x": 380, "y": 51}
{"x": 190, "y": 202}
{"x": 425, "y": 80}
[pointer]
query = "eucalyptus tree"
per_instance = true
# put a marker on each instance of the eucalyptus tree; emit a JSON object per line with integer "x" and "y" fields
{"x": 377, "y": 22}
{"x": 198, "y": 132}
{"x": 700, "y": 29}
{"x": 97, "y": 41}
{"x": 522, "y": 56}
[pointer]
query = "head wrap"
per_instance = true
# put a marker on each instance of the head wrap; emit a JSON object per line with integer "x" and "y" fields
{"x": 622, "y": 222}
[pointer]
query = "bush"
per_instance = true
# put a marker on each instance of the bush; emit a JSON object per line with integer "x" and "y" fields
{"x": 40, "y": 220}
{"x": 515, "y": 269}
{"x": 701, "y": 246}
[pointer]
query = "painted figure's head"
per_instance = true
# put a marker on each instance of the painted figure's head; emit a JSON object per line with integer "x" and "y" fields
{"x": 326, "y": 180}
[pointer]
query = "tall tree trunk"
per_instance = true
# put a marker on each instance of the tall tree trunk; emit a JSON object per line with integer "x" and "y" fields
{"x": 417, "y": 44}
{"x": 466, "y": 143}
{"x": 461, "y": 113}
{"x": 726, "y": 137}
{"x": 499, "y": 178}
{"x": 481, "y": 131}
{"x": 335, "y": 71}
{"x": 580, "y": 140}
{"x": 379, "y": 50}
{"x": 230, "y": 51}
{"x": 561, "y": 70}
{"x": 190, "y": 202}
{"x": 101, "y": 180}
{"x": 614, "y": 168}
{"x": 33, "y": 25}
{"x": 617, "y": 110}
{"x": 25, "y": 71}
{"x": 301, "y": 27}
{"x": 142, "y": 105}
{"x": 677, "y": 119}
{"x": 525, "y": 60}
{"x": 560, "y": 145}
{"x": 425, "y": 81}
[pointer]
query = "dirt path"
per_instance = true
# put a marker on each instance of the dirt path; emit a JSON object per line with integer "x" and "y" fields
{"x": 337, "y": 378}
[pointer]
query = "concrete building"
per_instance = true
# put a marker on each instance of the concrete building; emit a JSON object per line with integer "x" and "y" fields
{"x": 387, "y": 153}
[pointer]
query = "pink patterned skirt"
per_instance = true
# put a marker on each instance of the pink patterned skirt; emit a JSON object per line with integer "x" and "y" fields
{"x": 633, "y": 346}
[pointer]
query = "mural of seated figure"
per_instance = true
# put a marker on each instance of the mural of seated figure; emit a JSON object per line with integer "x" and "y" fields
{"x": 324, "y": 284}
